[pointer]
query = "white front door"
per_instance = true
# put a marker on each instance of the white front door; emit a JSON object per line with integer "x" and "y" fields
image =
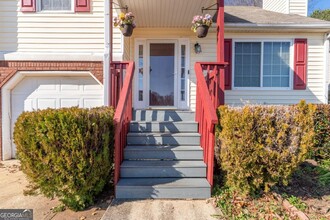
{"x": 161, "y": 78}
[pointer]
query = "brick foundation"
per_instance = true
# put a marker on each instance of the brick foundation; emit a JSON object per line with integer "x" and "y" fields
{"x": 9, "y": 68}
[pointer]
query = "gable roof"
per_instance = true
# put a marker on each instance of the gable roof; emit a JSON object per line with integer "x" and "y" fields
{"x": 255, "y": 17}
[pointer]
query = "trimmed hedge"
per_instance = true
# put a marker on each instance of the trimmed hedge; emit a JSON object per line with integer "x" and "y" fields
{"x": 67, "y": 153}
{"x": 260, "y": 146}
{"x": 321, "y": 148}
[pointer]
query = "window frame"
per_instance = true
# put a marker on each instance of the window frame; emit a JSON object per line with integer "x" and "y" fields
{"x": 38, "y": 9}
{"x": 262, "y": 41}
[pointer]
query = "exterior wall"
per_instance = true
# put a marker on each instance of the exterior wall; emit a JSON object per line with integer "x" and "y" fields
{"x": 9, "y": 68}
{"x": 280, "y": 6}
{"x": 8, "y": 25}
{"x": 315, "y": 91}
{"x": 299, "y": 7}
{"x": 54, "y": 32}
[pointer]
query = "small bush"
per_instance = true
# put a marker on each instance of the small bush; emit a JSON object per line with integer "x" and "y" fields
{"x": 321, "y": 149}
{"x": 260, "y": 146}
{"x": 67, "y": 153}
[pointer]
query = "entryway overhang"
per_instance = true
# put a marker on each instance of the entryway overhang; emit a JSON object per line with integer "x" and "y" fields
{"x": 166, "y": 13}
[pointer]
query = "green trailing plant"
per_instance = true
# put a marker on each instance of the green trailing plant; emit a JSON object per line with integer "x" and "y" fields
{"x": 324, "y": 172}
{"x": 67, "y": 153}
{"x": 260, "y": 146}
{"x": 295, "y": 201}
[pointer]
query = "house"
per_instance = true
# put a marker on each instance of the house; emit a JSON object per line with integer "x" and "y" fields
{"x": 61, "y": 55}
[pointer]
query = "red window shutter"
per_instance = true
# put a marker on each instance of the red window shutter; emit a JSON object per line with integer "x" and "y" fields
{"x": 28, "y": 5}
{"x": 300, "y": 64}
{"x": 228, "y": 59}
{"x": 82, "y": 6}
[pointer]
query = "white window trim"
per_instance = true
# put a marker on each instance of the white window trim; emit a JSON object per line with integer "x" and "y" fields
{"x": 55, "y": 11}
{"x": 291, "y": 41}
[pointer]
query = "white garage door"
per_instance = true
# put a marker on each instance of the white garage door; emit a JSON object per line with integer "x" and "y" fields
{"x": 34, "y": 93}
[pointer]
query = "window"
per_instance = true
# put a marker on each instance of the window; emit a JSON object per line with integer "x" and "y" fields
{"x": 183, "y": 73}
{"x": 140, "y": 75}
{"x": 56, "y": 5}
{"x": 262, "y": 64}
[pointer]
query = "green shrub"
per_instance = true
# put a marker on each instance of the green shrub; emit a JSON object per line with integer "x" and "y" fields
{"x": 321, "y": 149}
{"x": 260, "y": 146}
{"x": 67, "y": 153}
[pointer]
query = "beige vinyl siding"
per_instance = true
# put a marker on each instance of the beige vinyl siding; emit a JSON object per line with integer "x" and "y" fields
{"x": 315, "y": 92}
{"x": 298, "y": 7}
{"x": 127, "y": 48}
{"x": 280, "y": 6}
{"x": 287, "y": 6}
{"x": 8, "y": 25}
{"x": 65, "y": 32}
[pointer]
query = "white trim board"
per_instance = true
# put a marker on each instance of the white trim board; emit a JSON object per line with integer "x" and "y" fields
{"x": 19, "y": 56}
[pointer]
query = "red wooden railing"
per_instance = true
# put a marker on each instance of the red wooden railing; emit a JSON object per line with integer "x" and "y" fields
{"x": 210, "y": 80}
{"x": 122, "y": 100}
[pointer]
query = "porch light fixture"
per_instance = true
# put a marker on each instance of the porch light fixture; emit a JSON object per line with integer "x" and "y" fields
{"x": 198, "y": 48}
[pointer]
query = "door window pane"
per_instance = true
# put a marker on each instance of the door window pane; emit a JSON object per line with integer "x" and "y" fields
{"x": 162, "y": 61}
{"x": 140, "y": 75}
{"x": 183, "y": 73}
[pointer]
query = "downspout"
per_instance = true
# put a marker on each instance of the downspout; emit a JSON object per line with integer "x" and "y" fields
{"x": 326, "y": 65}
{"x": 107, "y": 58}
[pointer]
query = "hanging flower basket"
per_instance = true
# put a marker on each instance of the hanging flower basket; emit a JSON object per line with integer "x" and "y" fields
{"x": 126, "y": 23}
{"x": 202, "y": 31}
{"x": 127, "y": 30}
{"x": 201, "y": 25}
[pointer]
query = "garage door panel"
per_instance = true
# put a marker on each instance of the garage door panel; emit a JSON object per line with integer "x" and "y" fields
{"x": 90, "y": 103}
{"x": 48, "y": 85}
{"x": 70, "y": 84}
{"x": 46, "y": 103}
{"x": 65, "y": 103}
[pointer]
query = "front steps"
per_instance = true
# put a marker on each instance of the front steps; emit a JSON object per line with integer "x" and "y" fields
{"x": 163, "y": 157}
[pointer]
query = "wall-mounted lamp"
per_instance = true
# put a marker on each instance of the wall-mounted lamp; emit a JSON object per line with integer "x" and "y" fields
{"x": 198, "y": 48}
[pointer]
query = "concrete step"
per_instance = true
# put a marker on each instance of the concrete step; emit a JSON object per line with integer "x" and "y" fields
{"x": 163, "y": 152}
{"x": 163, "y": 139}
{"x": 162, "y": 168}
{"x": 165, "y": 126}
{"x": 167, "y": 188}
{"x": 163, "y": 115}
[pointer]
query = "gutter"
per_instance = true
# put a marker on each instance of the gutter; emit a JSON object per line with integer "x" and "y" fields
{"x": 278, "y": 26}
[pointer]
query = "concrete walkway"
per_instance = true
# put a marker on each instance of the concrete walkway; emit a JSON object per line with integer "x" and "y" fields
{"x": 161, "y": 210}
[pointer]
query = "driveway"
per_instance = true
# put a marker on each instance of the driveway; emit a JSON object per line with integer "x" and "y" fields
{"x": 161, "y": 210}
{"x": 12, "y": 184}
